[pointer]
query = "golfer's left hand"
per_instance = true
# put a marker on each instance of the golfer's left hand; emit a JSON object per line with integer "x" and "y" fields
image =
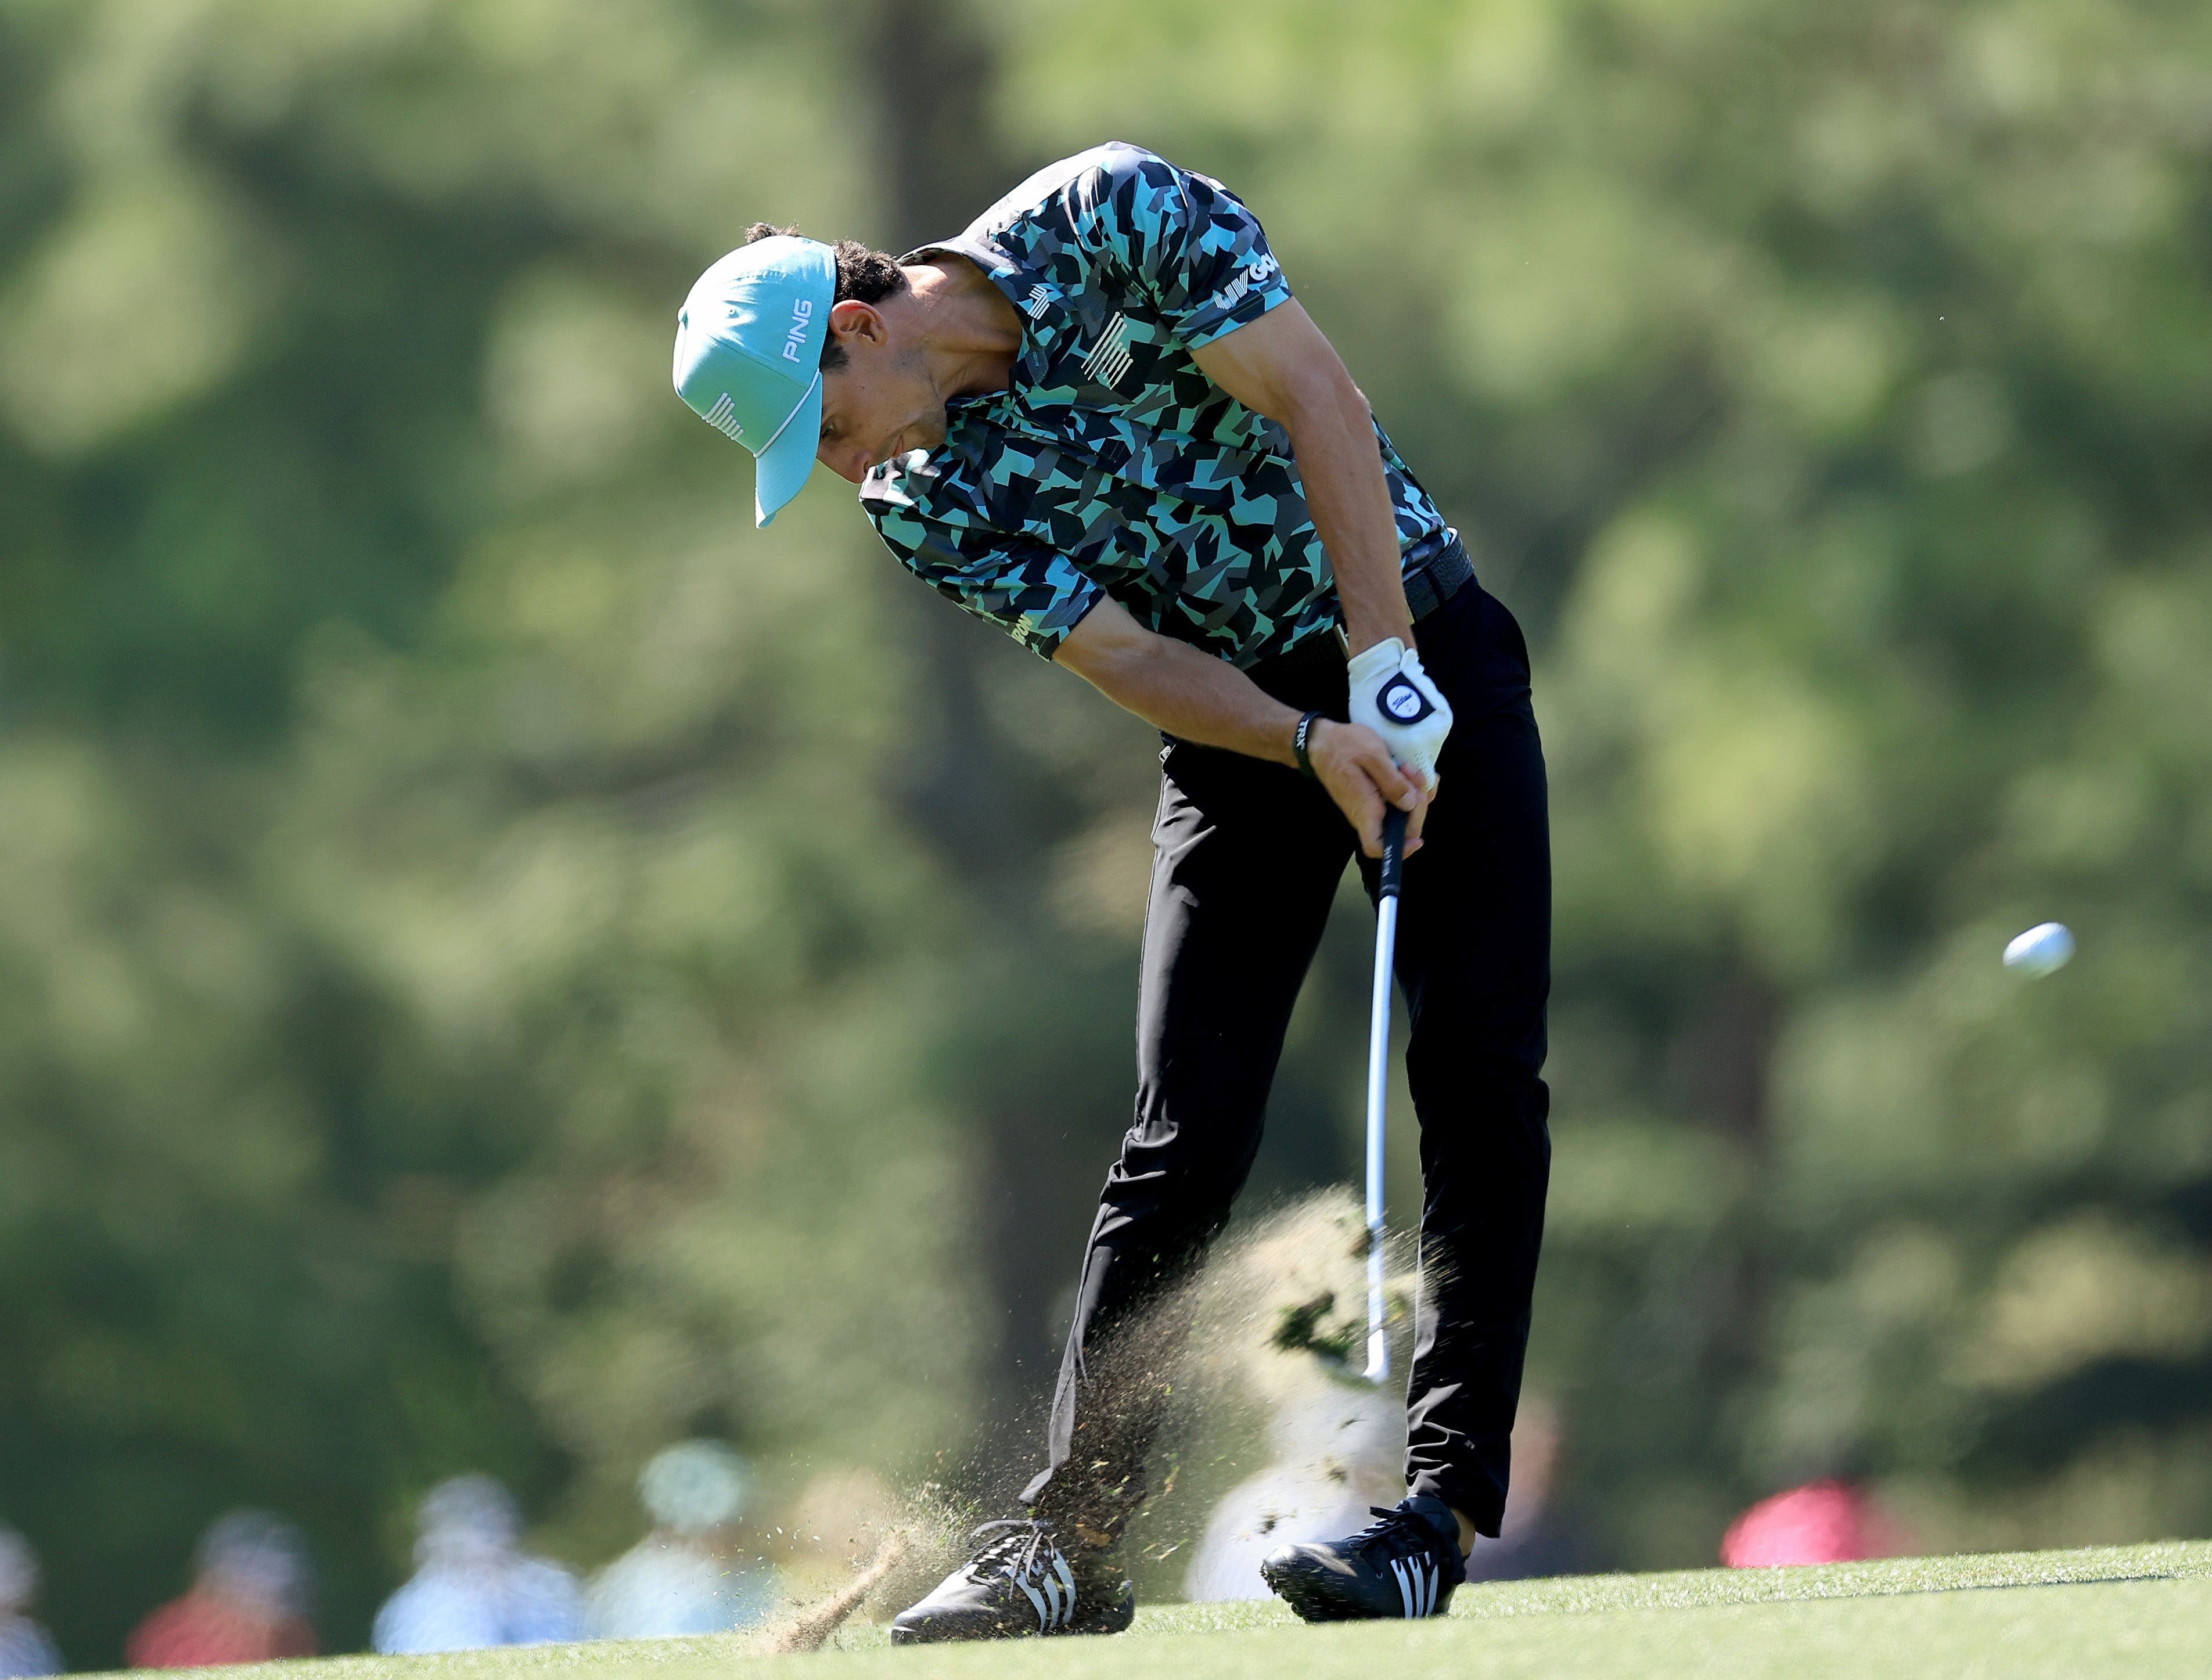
{"x": 1393, "y": 696}
{"x": 1351, "y": 763}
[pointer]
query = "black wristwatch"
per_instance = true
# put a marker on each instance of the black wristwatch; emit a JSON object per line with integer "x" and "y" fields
{"x": 1299, "y": 739}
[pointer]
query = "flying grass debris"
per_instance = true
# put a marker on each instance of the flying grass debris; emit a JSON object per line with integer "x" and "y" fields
{"x": 1282, "y": 1327}
{"x": 1305, "y": 1328}
{"x": 809, "y": 1630}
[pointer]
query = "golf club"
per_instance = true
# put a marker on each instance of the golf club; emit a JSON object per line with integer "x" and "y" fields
{"x": 1378, "y": 1084}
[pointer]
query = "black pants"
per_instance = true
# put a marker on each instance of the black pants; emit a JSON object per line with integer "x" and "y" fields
{"x": 1247, "y": 858}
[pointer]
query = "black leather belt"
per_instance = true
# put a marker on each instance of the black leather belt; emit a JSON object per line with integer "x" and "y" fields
{"x": 1437, "y": 578}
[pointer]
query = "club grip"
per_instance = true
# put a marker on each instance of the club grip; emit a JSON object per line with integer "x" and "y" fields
{"x": 1394, "y": 851}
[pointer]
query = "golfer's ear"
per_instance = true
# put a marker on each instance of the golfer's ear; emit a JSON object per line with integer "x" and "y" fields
{"x": 853, "y": 320}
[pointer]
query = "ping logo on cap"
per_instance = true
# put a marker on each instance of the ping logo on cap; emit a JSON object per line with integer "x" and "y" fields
{"x": 1403, "y": 702}
{"x": 723, "y": 417}
{"x": 795, "y": 341}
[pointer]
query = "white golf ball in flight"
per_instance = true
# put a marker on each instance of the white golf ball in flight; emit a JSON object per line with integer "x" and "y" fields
{"x": 2040, "y": 950}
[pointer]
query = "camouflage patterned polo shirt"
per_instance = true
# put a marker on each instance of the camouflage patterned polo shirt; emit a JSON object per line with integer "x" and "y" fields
{"x": 1112, "y": 465}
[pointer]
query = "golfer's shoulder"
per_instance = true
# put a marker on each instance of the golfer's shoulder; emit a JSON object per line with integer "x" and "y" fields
{"x": 1113, "y": 184}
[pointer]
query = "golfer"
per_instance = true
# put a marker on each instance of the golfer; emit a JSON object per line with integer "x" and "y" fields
{"x": 1099, "y": 419}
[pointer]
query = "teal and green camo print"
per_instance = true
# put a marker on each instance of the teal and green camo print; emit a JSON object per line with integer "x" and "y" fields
{"x": 1113, "y": 466}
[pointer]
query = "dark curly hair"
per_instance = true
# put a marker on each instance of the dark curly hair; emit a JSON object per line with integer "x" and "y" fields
{"x": 864, "y": 275}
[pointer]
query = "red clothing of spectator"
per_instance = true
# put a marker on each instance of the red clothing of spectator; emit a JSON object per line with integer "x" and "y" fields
{"x": 1823, "y": 1522}
{"x": 202, "y": 1629}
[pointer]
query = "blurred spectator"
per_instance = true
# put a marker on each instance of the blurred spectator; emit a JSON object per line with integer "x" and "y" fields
{"x": 1823, "y": 1522}
{"x": 473, "y": 1586}
{"x": 683, "y": 1577}
{"x": 248, "y": 1603}
{"x": 1537, "y": 1537}
{"x": 24, "y": 1647}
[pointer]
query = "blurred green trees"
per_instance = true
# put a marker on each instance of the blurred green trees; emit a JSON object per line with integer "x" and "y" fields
{"x": 503, "y": 966}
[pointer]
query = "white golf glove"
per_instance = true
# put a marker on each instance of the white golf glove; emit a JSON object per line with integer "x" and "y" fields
{"x": 1393, "y": 696}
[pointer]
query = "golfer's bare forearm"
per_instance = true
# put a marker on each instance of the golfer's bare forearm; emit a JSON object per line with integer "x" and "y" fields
{"x": 1194, "y": 696}
{"x": 1332, "y": 435}
{"x": 1281, "y": 365}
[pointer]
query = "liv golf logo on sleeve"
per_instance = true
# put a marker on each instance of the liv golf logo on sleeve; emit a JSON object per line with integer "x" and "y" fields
{"x": 1253, "y": 274}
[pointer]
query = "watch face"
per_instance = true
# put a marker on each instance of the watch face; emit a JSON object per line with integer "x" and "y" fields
{"x": 1401, "y": 702}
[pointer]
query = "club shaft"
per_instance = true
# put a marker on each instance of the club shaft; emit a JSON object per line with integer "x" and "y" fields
{"x": 1378, "y": 1098}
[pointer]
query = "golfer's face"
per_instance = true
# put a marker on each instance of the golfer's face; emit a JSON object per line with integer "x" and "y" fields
{"x": 878, "y": 405}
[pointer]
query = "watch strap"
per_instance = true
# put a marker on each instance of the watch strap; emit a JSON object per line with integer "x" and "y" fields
{"x": 1300, "y": 738}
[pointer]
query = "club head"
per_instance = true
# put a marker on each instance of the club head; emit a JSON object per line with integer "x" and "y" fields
{"x": 1378, "y": 1354}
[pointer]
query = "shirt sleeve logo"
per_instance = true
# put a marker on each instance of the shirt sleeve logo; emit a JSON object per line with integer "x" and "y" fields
{"x": 1254, "y": 273}
{"x": 1041, "y": 299}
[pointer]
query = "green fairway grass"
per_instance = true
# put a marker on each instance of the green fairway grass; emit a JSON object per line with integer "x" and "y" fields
{"x": 2124, "y": 1610}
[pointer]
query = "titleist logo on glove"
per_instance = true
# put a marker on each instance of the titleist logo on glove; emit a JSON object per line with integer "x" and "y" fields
{"x": 1392, "y": 695}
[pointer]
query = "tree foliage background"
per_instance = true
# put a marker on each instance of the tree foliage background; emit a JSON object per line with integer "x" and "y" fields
{"x": 503, "y": 966}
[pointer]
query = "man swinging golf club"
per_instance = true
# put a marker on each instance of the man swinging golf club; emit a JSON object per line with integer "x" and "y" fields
{"x": 1098, "y": 419}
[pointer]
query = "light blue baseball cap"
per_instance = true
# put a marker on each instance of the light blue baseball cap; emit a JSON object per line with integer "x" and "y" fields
{"x": 748, "y": 357}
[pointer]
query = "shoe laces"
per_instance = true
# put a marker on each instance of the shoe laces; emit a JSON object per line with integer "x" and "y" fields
{"x": 1398, "y": 1533}
{"x": 1023, "y": 1551}
{"x": 1412, "y": 1549}
{"x": 1020, "y": 1547}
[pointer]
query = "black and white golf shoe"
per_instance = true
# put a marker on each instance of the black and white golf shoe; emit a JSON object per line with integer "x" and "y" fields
{"x": 1404, "y": 1564}
{"x": 1019, "y": 1581}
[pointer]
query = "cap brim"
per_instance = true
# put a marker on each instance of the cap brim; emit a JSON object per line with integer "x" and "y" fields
{"x": 782, "y": 468}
